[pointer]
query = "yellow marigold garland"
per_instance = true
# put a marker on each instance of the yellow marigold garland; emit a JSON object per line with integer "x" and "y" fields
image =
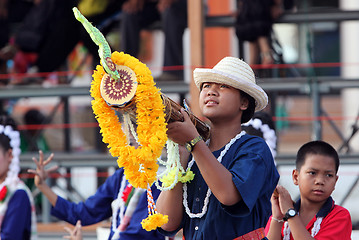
{"x": 140, "y": 164}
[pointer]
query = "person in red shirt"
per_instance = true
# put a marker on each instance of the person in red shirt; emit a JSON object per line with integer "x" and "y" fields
{"x": 314, "y": 215}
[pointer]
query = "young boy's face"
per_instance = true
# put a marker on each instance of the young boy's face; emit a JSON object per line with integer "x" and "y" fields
{"x": 316, "y": 178}
{"x": 220, "y": 101}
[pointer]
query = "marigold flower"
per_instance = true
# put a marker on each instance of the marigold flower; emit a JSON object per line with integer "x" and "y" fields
{"x": 154, "y": 221}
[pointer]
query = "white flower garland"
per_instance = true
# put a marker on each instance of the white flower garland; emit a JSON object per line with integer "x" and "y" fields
{"x": 206, "y": 200}
{"x": 269, "y": 135}
{"x": 173, "y": 162}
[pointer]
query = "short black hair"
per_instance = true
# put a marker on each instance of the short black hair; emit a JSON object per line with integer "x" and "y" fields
{"x": 319, "y": 148}
{"x": 248, "y": 113}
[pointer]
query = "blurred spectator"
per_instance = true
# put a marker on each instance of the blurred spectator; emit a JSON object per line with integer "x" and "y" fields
{"x": 140, "y": 14}
{"x": 254, "y": 24}
{"x": 12, "y": 13}
{"x": 50, "y": 32}
{"x": 32, "y": 138}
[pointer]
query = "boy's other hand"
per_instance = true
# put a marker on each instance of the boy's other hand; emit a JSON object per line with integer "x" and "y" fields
{"x": 276, "y": 212}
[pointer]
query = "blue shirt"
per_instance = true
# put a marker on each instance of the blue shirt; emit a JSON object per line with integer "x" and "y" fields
{"x": 255, "y": 176}
{"x": 98, "y": 208}
{"x": 17, "y": 220}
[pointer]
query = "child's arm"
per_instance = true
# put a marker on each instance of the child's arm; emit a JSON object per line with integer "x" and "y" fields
{"x": 41, "y": 175}
{"x": 170, "y": 203}
{"x": 276, "y": 222}
{"x": 218, "y": 178}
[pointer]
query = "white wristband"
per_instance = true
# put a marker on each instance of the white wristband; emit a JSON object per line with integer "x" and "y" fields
{"x": 280, "y": 221}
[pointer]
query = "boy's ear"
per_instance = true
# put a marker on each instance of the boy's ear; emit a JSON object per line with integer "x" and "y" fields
{"x": 244, "y": 104}
{"x": 295, "y": 175}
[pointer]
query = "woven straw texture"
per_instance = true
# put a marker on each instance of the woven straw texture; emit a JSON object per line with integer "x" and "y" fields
{"x": 235, "y": 73}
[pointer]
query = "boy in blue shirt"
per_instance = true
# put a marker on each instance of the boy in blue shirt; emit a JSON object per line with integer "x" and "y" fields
{"x": 235, "y": 175}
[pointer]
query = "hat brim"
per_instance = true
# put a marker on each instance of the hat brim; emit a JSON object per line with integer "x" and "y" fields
{"x": 201, "y": 75}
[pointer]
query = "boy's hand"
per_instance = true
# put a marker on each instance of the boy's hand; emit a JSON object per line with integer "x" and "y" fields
{"x": 276, "y": 212}
{"x": 40, "y": 173}
{"x": 76, "y": 233}
{"x": 182, "y": 132}
{"x": 285, "y": 200}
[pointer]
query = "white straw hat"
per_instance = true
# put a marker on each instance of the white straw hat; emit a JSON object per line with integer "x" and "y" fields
{"x": 235, "y": 73}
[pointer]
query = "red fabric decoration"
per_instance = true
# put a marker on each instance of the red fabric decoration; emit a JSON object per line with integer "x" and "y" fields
{"x": 3, "y": 193}
{"x": 126, "y": 193}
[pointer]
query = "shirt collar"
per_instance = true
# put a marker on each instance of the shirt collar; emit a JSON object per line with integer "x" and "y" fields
{"x": 324, "y": 210}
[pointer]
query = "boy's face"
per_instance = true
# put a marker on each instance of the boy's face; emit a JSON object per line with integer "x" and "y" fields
{"x": 316, "y": 178}
{"x": 221, "y": 102}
